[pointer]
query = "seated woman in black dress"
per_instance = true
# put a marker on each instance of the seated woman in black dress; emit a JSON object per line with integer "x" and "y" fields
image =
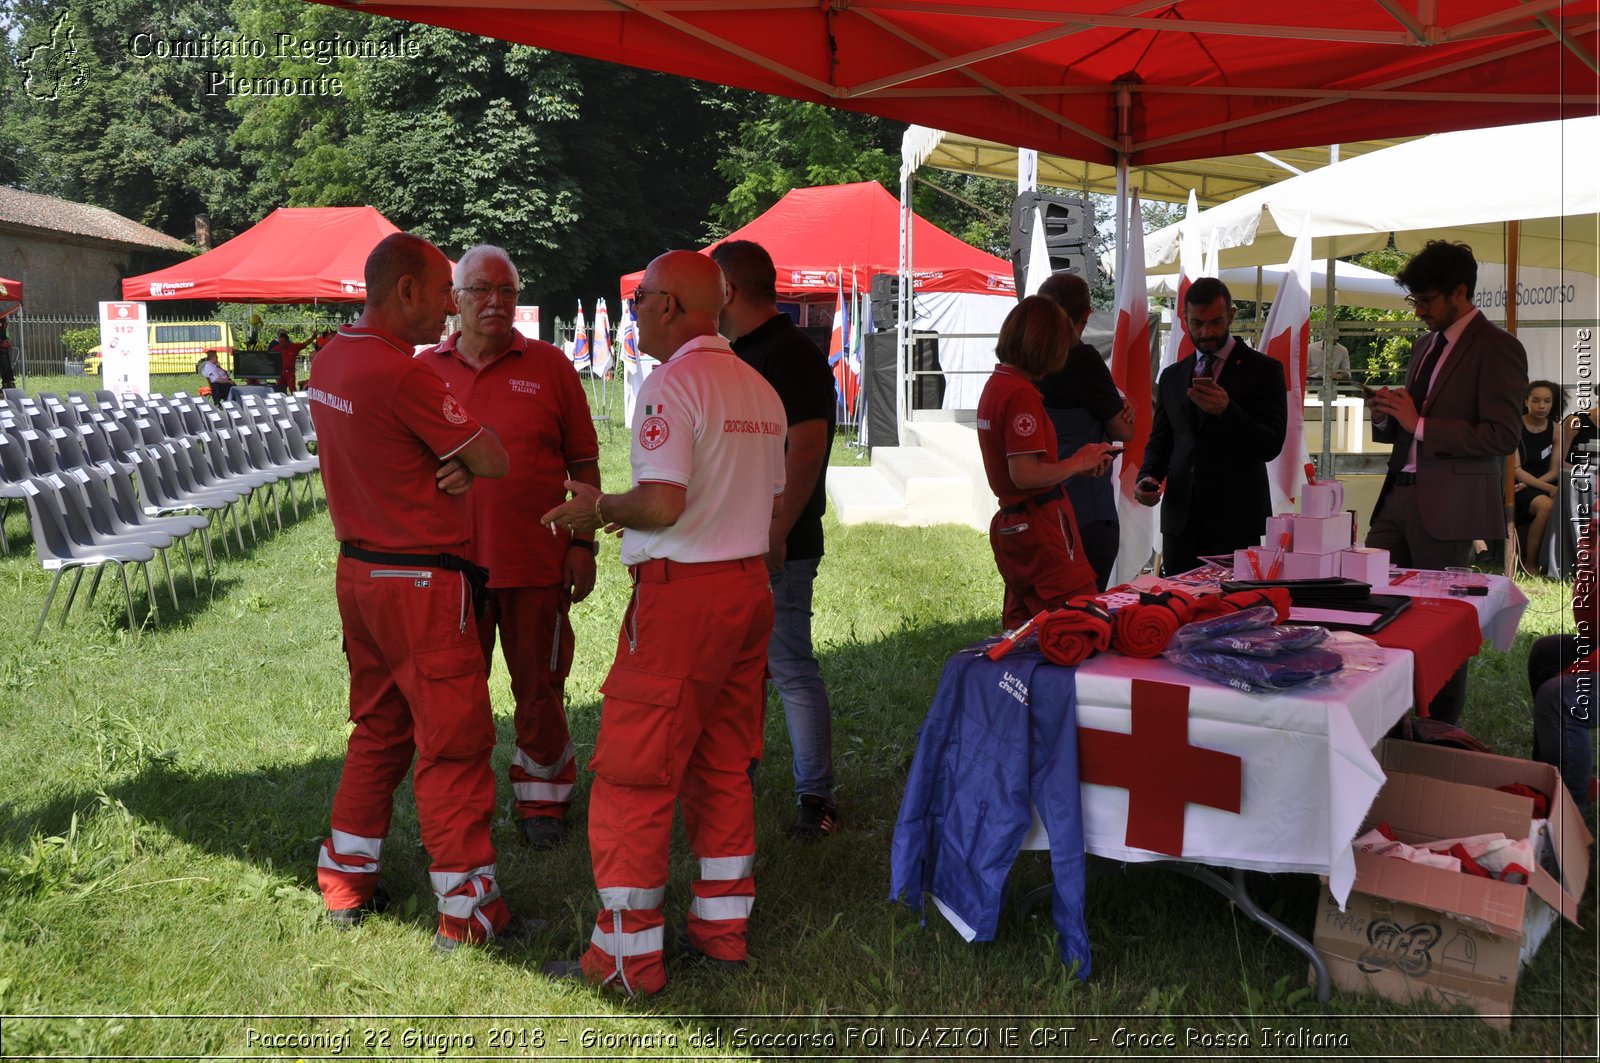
{"x": 1538, "y": 469}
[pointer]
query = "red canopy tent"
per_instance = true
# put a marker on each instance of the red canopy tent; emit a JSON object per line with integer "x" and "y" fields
{"x": 1099, "y": 80}
{"x": 10, "y": 297}
{"x": 293, "y": 255}
{"x": 822, "y": 239}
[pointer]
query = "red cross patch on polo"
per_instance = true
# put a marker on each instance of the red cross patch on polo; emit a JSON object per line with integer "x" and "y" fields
{"x": 653, "y": 432}
{"x": 454, "y": 412}
{"x": 1023, "y": 424}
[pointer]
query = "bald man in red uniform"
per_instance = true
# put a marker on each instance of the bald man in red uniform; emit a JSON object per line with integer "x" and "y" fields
{"x": 528, "y": 392}
{"x": 398, "y": 454}
{"x": 685, "y": 695}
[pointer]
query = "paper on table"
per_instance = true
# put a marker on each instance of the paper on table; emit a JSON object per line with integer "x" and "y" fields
{"x": 1308, "y": 615}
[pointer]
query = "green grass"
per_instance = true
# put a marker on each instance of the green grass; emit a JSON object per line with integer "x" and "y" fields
{"x": 163, "y": 790}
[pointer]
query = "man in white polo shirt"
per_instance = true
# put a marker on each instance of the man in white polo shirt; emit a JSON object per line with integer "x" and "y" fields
{"x": 683, "y": 701}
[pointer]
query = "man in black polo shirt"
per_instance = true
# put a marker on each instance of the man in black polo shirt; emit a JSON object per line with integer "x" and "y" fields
{"x": 1086, "y": 407}
{"x": 768, "y": 340}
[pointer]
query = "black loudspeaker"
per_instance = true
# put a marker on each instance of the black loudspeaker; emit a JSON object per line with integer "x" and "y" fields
{"x": 877, "y": 386}
{"x": 927, "y": 392}
{"x": 1068, "y": 234}
{"x": 885, "y": 301}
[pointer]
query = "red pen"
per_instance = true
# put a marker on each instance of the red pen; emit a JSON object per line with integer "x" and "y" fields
{"x": 1311, "y": 473}
{"x": 1277, "y": 562}
{"x": 1009, "y": 641}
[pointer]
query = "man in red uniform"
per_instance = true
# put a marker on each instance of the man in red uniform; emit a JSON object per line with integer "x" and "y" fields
{"x": 530, "y": 395}
{"x": 683, "y": 701}
{"x": 398, "y": 453}
{"x": 288, "y": 353}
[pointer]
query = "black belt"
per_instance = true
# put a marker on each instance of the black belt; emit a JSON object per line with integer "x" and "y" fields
{"x": 477, "y": 575}
{"x": 1039, "y": 499}
{"x": 1405, "y": 479}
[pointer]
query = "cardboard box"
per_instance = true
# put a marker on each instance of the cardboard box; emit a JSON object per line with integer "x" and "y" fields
{"x": 1322, "y": 535}
{"x": 1411, "y": 932}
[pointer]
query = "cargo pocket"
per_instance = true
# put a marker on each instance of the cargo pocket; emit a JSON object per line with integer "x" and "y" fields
{"x": 637, "y": 723}
{"x": 450, "y": 708}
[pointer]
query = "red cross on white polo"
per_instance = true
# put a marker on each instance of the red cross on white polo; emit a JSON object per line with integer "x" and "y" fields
{"x": 652, "y": 433}
{"x": 1158, "y": 767}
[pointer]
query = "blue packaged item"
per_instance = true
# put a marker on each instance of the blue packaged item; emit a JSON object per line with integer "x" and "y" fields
{"x": 1267, "y": 641}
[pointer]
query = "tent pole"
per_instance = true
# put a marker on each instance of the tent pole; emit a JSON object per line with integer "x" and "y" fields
{"x": 1330, "y": 336}
{"x": 903, "y": 348}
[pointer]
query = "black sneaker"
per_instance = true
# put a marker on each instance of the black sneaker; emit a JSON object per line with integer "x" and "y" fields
{"x": 814, "y": 818}
{"x": 350, "y": 918}
{"x": 517, "y": 932}
{"x": 543, "y": 832}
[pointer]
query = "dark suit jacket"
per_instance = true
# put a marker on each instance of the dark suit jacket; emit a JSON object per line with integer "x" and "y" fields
{"x": 1473, "y": 418}
{"x": 1222, "y": 459}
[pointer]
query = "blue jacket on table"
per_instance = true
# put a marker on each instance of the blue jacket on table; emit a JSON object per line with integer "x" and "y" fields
{"x": 1000, "y": 739}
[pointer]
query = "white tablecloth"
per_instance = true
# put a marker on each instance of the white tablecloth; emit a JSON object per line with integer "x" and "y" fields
{"x": 1499, "y": 611}
{"x": 1308, "y": 773}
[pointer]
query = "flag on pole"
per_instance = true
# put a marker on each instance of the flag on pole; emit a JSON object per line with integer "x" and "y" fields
{"x": 1130, "y": 370}
{"x": 1191, "y": 267}
{"x": 628, "y": 336}
{"x": 1285, "y": 337}
{"x": 844, "y": 379}
{"x": 580, "y": 343}
{"x": 602, "y": 339}
{"x": 864, "y": 318}
{"x": 1038, "y": 256}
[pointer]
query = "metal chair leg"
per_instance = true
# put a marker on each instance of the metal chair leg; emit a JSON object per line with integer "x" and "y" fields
{"x": 48, "y": 598}
{"x": 127, "y": 590}
{"x": 72, "y": 592}
{"x": 150, "y": 592}
{"x": 171, "y": 586}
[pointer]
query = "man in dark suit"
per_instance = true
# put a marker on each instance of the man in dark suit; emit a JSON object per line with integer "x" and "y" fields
{"x": 1220, "y": 417}
{"x": 1452, "y": 426}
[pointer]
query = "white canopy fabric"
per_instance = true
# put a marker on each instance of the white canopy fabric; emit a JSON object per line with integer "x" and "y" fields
{"x": 1353, "y": 285}
{"x": 1456, "y": 186}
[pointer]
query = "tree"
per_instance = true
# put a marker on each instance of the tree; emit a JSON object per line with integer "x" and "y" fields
{"x": 104, "y": 119}
{"x": 784, "y": 144}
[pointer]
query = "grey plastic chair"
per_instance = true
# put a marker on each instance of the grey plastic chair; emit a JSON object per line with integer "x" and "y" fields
{"x": 59, "y": 554}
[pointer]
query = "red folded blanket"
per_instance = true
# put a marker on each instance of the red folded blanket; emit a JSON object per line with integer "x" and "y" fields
{"x": 1207, "y": 606}
{"x": 1277, "y": 597}
{"x": 1144, "y": 630}
{"x": 1069, "y": 635}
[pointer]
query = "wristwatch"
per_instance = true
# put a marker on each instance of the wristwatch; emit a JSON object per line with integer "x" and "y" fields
{"x": 591, "y": 545}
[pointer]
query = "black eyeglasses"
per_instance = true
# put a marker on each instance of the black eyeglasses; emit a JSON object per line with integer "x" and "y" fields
{"x": 506, "y": 292}
{"x": 1417, "y": 302}
{"x": 640, "y": 293}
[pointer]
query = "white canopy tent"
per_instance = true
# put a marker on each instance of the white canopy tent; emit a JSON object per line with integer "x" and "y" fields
{"x": 1212, "y": 180}
{"x": 1523, "y": 196}
{"x": 1353, "y": 285}
{"x": 1456, "y": 186}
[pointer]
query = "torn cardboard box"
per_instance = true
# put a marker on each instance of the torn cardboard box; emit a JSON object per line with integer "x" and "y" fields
{"x": 1412, "y": 932}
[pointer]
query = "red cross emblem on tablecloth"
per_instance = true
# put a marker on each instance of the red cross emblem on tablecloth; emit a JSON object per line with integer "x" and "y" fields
{"x": 1158, "y": 767}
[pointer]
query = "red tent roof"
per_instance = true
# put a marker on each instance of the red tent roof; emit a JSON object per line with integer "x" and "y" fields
{"x": 1200, "y": 78}
{"x": 815, "y": 235}
{"x": 293, "y": 255}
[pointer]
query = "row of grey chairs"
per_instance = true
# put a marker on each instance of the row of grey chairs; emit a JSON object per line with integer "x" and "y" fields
{"x": 109, "y": 485}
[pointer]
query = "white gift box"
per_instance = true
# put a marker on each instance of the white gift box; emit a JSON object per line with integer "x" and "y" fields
{"x": 1277, "y": 528}
{"x": 1322, "y": 535}
{"x": 1367, "y": 564}
{"x": 1298, "y": 564}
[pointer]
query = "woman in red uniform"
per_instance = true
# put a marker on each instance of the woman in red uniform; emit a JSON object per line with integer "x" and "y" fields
{"x": 1034, "y": 535}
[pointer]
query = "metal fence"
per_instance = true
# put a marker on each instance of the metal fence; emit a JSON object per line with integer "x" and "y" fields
{"x": 36, "y": 346}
